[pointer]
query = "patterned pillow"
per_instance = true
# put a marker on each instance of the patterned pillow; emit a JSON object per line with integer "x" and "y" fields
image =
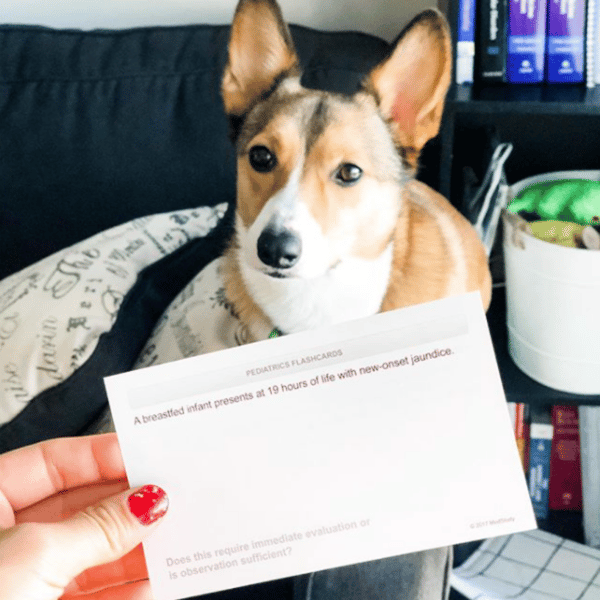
{"x": 57, "y": 315}
{"x": 198, "y": 321}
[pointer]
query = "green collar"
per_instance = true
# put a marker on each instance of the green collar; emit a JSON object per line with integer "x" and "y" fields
{"x": 275, "y": 333}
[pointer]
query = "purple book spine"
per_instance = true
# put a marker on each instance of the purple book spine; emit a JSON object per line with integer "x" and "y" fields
{"x": 526, "y": 41}
{"x": 565, "y": 46}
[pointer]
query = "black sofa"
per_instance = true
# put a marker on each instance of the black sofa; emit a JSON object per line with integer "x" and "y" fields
{"x": 98, "y": 128}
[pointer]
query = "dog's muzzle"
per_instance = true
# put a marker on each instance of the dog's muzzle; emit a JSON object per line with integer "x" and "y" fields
{"x": 279, "y": 248}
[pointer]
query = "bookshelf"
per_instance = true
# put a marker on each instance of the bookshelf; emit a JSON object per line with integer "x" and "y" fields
{"x": 552, "y": 128}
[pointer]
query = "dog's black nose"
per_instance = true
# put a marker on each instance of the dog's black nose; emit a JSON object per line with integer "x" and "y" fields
{"x": 279, "y": 249}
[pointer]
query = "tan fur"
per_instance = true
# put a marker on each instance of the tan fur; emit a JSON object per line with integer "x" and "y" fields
{"x": 420, "y": 247}
{"x": 326, "y": 200}
{"x": 260, "y": 50}
{"x": 436, "y": 252}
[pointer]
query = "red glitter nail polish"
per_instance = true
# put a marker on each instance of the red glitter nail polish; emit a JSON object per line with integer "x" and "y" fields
{"x": 148, "y": 504}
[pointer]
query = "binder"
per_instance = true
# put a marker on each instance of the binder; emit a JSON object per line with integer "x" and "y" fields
{"x": 526, "y": 41}
{"x": 565, "y": 41}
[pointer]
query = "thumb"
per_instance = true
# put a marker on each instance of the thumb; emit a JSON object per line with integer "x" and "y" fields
{"x": 38, "y": 560}
{"x": 108, "y": 530}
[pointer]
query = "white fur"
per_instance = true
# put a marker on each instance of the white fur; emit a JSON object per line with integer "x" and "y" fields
{"x": 286, "y": 209}
{"x": 379, "y": 207}
{"x": 295, "y": 304}
{"x": 291, "y": 85}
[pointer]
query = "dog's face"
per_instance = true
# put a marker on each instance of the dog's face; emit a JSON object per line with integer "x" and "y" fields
{"x": 320, "y": 175}
{"x": 317, "y": 182}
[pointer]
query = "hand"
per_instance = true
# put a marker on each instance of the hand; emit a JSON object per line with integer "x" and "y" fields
{"x": 65, "y": 512}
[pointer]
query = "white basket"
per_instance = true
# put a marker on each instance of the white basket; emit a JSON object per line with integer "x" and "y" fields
{"x": 553, "y": 303}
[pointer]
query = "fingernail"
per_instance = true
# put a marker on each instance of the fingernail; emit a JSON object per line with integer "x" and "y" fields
{"x": 148, "y": 504}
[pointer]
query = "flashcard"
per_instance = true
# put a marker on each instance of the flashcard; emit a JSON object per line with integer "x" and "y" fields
{"x": 359, "y": 441}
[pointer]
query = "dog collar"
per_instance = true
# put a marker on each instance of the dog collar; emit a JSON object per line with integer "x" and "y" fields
{"x": 275, "y": 333}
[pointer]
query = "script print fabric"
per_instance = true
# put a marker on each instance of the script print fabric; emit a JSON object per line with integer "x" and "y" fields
{"x": 53, "y": 312}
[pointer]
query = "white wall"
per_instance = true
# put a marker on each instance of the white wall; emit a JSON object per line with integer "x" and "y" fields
{"x": 380, "y": 17}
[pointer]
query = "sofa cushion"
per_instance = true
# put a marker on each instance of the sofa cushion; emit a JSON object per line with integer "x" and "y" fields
{"x": 85, "y": 312}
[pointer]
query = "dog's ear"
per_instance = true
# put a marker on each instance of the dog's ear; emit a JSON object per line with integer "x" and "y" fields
{"x": 261, "y": 52}
{"x": 411, "y": 84}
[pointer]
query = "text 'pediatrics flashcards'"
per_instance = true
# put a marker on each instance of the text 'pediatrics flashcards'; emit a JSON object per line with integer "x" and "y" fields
{"x": 364, "y": 440}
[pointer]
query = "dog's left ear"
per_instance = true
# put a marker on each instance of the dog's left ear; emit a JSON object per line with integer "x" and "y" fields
{"x": 261, "y": 52}
{"x": 411, "y": 84}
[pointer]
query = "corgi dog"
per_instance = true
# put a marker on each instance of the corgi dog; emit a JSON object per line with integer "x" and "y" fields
{"x": 330, "y": 223}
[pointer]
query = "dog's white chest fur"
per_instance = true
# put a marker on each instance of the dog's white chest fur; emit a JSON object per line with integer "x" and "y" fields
{"x": 351, "y": 290}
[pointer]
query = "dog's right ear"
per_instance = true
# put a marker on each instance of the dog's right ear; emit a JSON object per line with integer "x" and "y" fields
{"x": 261, "y": 52}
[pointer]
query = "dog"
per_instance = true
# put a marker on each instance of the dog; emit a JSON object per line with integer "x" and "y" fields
{"x": 330, "y": 222}
{"x": 330, "y": 225}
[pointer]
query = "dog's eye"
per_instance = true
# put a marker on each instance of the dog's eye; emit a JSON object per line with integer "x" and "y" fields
{"x": 348, "y": 174}
{"x": 262, "y": 159}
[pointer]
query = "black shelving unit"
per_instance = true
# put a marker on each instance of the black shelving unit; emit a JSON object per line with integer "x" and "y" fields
{"x": 552, "y": 128}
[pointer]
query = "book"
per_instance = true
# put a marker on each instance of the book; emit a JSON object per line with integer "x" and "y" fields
{"x": 522, "y": 432}
{"x": 595, "y": 42}
{"x": 465, "y": 45}
{"x": 591, "y": 36}
{"x": 526, "y": 41}
{"x": 565, "y": 492}
{"x": 565, "y": 41}
{"x": 491, "y": 42}
{"x": 540, "y": 446}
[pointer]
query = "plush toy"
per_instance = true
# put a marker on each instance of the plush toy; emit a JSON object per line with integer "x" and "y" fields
{"x": 564, "y": 212}
{"x": 574, "y": 200}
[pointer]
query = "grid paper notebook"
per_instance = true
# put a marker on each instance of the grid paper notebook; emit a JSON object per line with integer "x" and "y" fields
{"x": 535, "y": 565}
